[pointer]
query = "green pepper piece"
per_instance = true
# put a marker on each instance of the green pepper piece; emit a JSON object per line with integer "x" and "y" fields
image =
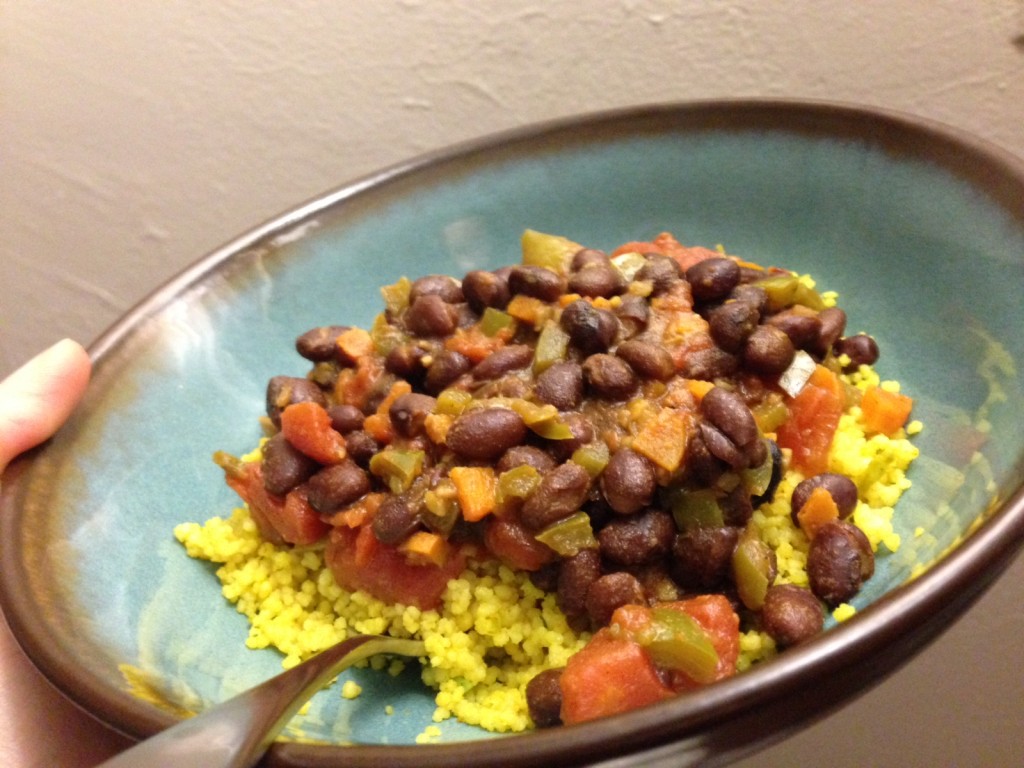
{"x": 385, "y": 336}
{"x": 551, "y": 251}
{"x": 675, "y": 640}
{"x": 517, "y": 483}
{"x": 398, "y": 467}
{"x": 542, "y": 420}
{"x": 493, "y": 321}
{"x": 396, "y": 295}
{"x": 786, "y": 290}
{"x": 569, "y": 535}
{"x": 552, "y": 347}
{"x": 752, "y": 570}
{"x": 452, "y": 402}
{"x": 593, "y": 457}
{"x": 441, "y": 507}
{"x": 696, "y": 509}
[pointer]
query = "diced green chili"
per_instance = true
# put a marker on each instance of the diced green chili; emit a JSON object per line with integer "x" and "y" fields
{"x": 593, "y": 457}
{"x": 552, "y": 347}
{"x": 441, "y": 507}
{"x": 517, "y": 483}
{"x": 752, "y": 570}
{"x": 757, "y": 479}
{"x": 493, "y": 321}
{"x": 543, "y": 420}
{"x": 398, "y": 467}
{"x": 675, "y": 640}
{"x": 452, "y": 402}
{"x": 696, "y": 509}
{"x": 396, "y": 295}
{"x": 786, "y": 290}
{"x": 569, "y": 535}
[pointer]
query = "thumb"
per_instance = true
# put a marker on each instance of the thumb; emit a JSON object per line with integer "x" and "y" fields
{"x": 38, "y": 397}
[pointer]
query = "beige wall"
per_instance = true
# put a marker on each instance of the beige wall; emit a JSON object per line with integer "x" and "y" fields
{"x": 136, "y": 136}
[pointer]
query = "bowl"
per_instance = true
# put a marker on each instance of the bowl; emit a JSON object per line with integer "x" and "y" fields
{"x": 919, "y": 227}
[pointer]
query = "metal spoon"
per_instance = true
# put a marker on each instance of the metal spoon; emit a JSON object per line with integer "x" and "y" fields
{"x": 236, "y": 733}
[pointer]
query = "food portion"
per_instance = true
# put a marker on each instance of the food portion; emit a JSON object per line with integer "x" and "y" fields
{"x": 590, "y": 482}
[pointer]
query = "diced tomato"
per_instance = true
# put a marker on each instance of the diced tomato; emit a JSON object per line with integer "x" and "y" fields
{"x": 359, "y": 561}
{"x": 813, "y": 418}
{"x": 611, "y": 674}
{"x": 475, "y": 344}
{"x": 307, "y": 426}
{"x": 280, "y": 519}
{"x": 509, "y": 541}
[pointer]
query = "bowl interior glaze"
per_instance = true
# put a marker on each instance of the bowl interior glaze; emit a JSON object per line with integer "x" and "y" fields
{"x": 919, "y": 229}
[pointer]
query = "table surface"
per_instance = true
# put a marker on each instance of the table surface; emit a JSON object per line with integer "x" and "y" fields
{"x": 40, "y": 728}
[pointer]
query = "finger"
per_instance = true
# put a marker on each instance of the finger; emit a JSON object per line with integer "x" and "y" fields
{"x": 38, "y": 397}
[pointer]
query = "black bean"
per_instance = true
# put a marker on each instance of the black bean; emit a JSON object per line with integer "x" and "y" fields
{"x": 702, "y": 467}
{"x": 658, "y": 584}
{"x": 284, "y": 466}
{"x": 345, "y": 418}
{"x": 561, "y": 492}
{"x": 597, "y": 280}
{"x": 404, "y": 360}
{"x": 633, "y": 314}
{"x": 768, "y": 350}
{"x": 838, "y": 561}
{"x": 395, "y": 519}
{"x": 833, "y": 323}
{"x": 486, "y": 289}
{"x": 801, "y": 325}
{"x": 731, "y": 323}
{"x": 282, "y": 391}
{"x": 589, "y": 257}
{"x": 721, "y": 447}
{"x": 513, "y": 357}
{"x": 754, "y": 295}
{"x": 445, "y": 368}
{"x": 713, "y": 279}
{"x": 736, "y": 506}
{"x": 638, "y": 539}
{"x": 628, "y": 482}
{"x": 574, "y": 579}
{"x": 841, "y": 488}
{"x": 609, "y": 377}
{"x": 791, "y": 614}
{"x": 409, "y": 412}
{"x": 702, "y": 556}
{"x": 610, "y": 592}
{"x": 537, "y": 282}
{"x": 544, "y": 578}
{"x": 709, "y": 364}
{"x": 560, "y": 385}
{"x": 659, "y": 270}
{"x": 360, "y": 447}
{"x": 544, "y": 698}
{"x": 485, "y": 433}
{"x": 727, "y": 411}
{"x": 861, "y": 349}
{"x": 337, "y": 486}
{"x": 650, "y": 360}
{"x": 430, "y": 315}
{"x": 447, "y": 288}
{"x": 590, "y": 329}
{"x": 528, "y": 455}
{"x": 507, "y": 386}
{"x": 320, "y": 344}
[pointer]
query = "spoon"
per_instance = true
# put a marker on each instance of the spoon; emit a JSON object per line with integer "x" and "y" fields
{"x": 237, "y": 732}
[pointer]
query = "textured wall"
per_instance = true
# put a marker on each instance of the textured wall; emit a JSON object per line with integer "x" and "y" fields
{"x": 135, "y": 137}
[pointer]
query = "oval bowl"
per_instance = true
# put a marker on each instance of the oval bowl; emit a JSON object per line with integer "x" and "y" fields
{"x": 919, "y": 227}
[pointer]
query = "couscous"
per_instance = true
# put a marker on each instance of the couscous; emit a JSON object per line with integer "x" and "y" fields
{"x": 660, "y": 464}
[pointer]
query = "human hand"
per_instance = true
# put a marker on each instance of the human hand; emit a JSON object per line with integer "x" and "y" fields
{"x": 38, "y": 397}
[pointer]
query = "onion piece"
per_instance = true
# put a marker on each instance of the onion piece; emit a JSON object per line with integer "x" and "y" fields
{"x": 795, "y": 377}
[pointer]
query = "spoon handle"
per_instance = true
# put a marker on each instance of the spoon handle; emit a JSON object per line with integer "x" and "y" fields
{"x": 236, "y": 733}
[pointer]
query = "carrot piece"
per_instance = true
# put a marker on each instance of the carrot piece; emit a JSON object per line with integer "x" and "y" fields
{"x": 425, "y": 548}
{"x": 307, "y": 426}
{"x": 354, "y": 385}
{"x": 820, "y": 508}
{"x": 476, "y": 491}
{"x": 379, "y": 424}
{"x": 699, "y": 388}
{"x": 359, "y": 513}
{"x": 885, "y": 411}
{"x": 663, "y": 438}
{"x": 528, "y": 309}
{"x": 475, "y": 344}
{"x": 355, "y": 343}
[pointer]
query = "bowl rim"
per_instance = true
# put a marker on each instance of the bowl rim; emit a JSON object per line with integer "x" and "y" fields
{"x": 920, "y": 604}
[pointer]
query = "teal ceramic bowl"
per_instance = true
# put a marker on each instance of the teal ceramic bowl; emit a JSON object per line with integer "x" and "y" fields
{"x": 917, "y": 226}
